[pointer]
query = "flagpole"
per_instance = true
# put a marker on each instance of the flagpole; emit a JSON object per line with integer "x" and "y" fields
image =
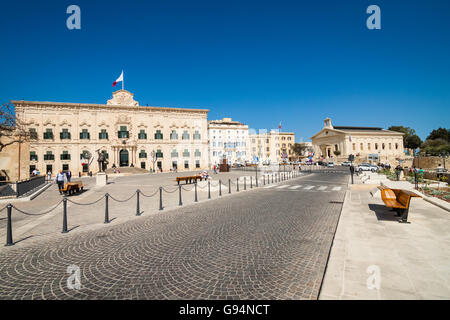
{"x": 123, "y": 80}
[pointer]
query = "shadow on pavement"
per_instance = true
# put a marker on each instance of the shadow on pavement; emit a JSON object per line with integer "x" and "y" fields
{"x": 383, "y": 213}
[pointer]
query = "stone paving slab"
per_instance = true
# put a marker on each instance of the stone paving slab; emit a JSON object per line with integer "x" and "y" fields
{"x": 413, "y": 258}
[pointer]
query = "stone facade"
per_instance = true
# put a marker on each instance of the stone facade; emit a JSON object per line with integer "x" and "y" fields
{"x": 129, "y": 134}
{"x": 15, "y": 160}
{"x": 367, "y": 144}
{"x": 270, "y": 146}
{"x": 228, "y": 139}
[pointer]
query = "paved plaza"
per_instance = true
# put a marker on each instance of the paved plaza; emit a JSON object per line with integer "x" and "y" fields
{"x": 264, "y": 243}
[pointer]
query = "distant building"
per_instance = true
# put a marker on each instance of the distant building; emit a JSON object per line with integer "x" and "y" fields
{"x": 270, "y": 146}
{"x": 367, "y": 144}
{"x": 128, "y": 134}
{"x": 228, "y": 139}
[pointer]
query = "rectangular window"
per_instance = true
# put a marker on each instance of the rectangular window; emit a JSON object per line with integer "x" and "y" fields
{"x": 32, "y": 168}
{"x": 65, "y": 155}
{"x": 65, "y": 167}
{"x": 142, "y": 135}
{"x": 186, "y": 153}
{"x": 174, "y": 165}
{"x": 173, "y": 135}
{"x": 123, "y": 133}
{"x": 197, "y": 164}
{"x": 142, "y": 165}
{"x": 174, "y": 154}
{"x": 158, "y": 135}
{"x": 185, "y": 135}
{"x": 103, "y": 135}
{"x": 196, "y": 135}
{"x": 186, "y": 164}
{"x": 159, "y": 154}
{"x": 49, "y": 168}
{"x": 64, "y": 134}
{"x": 33, "y": 156}
{"x": 84, "y": 134}
{"x": 49, "y": 156}
{"x": 33, "y": 134}
{"x": 197, "y": 153}
{"x": 48, "y": 134}
{"x": 142, "y": 154}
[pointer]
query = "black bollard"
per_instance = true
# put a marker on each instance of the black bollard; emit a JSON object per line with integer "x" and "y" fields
{"x": 264, "y": 180}
{"x": 272, "y": 177}
{"x": 160, "y": 198}
{"x": 251, "y": 182}
{"x": 237, "y": 184}
{"x": 209, "y": 190}
{"x": 64, "y": 230}
{"x": 180, "y": 203}
{"x": 9, "y": 239}
{"x": 229, "y": 185}
{"x": 138, "y": 207}
{"x": 245, "y": 183}
{"x": 195, "y": 187}
{"x": 220, "y": 187}
{"x": 106, "y": 208}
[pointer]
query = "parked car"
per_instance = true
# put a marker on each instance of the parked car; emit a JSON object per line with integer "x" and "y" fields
{"x": 441, "y": 170}
{"x": 367, "y": 167}
{"x": 346, "y": 164}
{"x": 330, "y": 164}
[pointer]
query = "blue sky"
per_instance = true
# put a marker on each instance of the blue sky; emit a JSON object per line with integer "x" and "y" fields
{"x": 259, "y": 62}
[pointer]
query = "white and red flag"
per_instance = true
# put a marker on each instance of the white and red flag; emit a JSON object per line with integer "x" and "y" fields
{"x": 279, "y": 126}
{"x": 119, "y": 79}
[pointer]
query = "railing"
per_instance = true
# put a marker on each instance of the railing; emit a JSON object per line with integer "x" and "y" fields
{"x": 25, "y": 186}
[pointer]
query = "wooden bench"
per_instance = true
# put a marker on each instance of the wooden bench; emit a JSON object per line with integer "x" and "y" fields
{"x": 397, "y": 199}
{"x": 72, "y": 187}
{"x": 189, "y": 178}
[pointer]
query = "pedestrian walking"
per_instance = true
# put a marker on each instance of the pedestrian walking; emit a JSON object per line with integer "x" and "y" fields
{"x": 61, "y": 180}
{"x": 69, "y": 175}
{"x": 49, "y": 175}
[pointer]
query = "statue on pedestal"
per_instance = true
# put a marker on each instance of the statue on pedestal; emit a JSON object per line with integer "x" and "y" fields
{"x": 102, "y": 161}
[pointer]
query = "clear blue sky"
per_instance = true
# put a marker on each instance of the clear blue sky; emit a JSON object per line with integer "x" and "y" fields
{"x": 258, "y": 62}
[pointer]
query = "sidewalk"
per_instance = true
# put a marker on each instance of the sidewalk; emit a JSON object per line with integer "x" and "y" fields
{"x": 410, "y": 261}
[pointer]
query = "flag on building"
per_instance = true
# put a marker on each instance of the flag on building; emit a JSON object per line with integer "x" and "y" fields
{"x": 279, "y": 126}
{"x": 119, "y": 79}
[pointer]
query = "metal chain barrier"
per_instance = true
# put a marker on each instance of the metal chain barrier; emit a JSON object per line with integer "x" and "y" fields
{"x": 175, "y": 190}
{"x": 37, "y": 214}
{"x": 122, "y": 200}
{"x": 85, "y": 204}
{"x": 187, "y": 189}
{"x": 149, "y": 196}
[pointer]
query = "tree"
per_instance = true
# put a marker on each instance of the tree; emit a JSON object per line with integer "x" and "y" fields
{"x": 337, "y": 153}
{"x": 298, "y": 148}
{"x": 410, "y": 139}
{"x": 413, "y": 142}
{"x": 12, "y": 128}
{"x": 440, "y": 133}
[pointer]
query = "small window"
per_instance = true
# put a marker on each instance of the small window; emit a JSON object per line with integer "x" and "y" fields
{"x": 33, "y": 156}
{"x": 142, "y": 135}
{"x": 196, "y": 135}
{"x": 186, "y": 153}
{"x": 49, "y": 156}
{"x": 48, "y": 134}
{"x": 185, "y": 135}
{"x": 174, "y": 154}
{"x": 159, "y": 154}
{"x": 65, "y": 155}
{"x": 64, "y": 134}
{"x": 142, "y": 154}
{"x": 197, "y": 164}
{"x": 33, "y": 134}
{"x": 173, "y": 135}
{"x": 84, "y": 134}
{"x": 186, "y": 164}
{"x": 158, "y": 135}
{"x": 103, "y": 135}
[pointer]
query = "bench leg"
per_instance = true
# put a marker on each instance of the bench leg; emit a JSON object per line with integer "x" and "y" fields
{"x": 404, "y": 218}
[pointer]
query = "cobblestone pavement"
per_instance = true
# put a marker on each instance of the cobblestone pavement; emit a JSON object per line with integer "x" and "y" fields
{"x": 261, "y": 244}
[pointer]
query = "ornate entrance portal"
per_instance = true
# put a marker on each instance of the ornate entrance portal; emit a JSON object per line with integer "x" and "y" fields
{"x": 124, "y": 162}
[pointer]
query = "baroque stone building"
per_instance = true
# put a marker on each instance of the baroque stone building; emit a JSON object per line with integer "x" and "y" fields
{"x": 367, "y": 144}
{"x": 128, "y": 134}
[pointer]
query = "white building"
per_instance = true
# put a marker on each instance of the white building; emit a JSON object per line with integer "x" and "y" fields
{"x": 227, "y": 139}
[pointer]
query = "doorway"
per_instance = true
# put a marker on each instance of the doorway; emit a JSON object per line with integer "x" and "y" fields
{"x": 123, "y": 158}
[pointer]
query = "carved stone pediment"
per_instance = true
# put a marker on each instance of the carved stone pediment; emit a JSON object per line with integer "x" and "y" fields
{"x": 65, "y": 123}
{"x": 123, "y": 98}
{"x": 103, "y": 124}
{"x": 173, "y": 126}
{"x": 84, "y": 123}
{"x": 48, "y": 122}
